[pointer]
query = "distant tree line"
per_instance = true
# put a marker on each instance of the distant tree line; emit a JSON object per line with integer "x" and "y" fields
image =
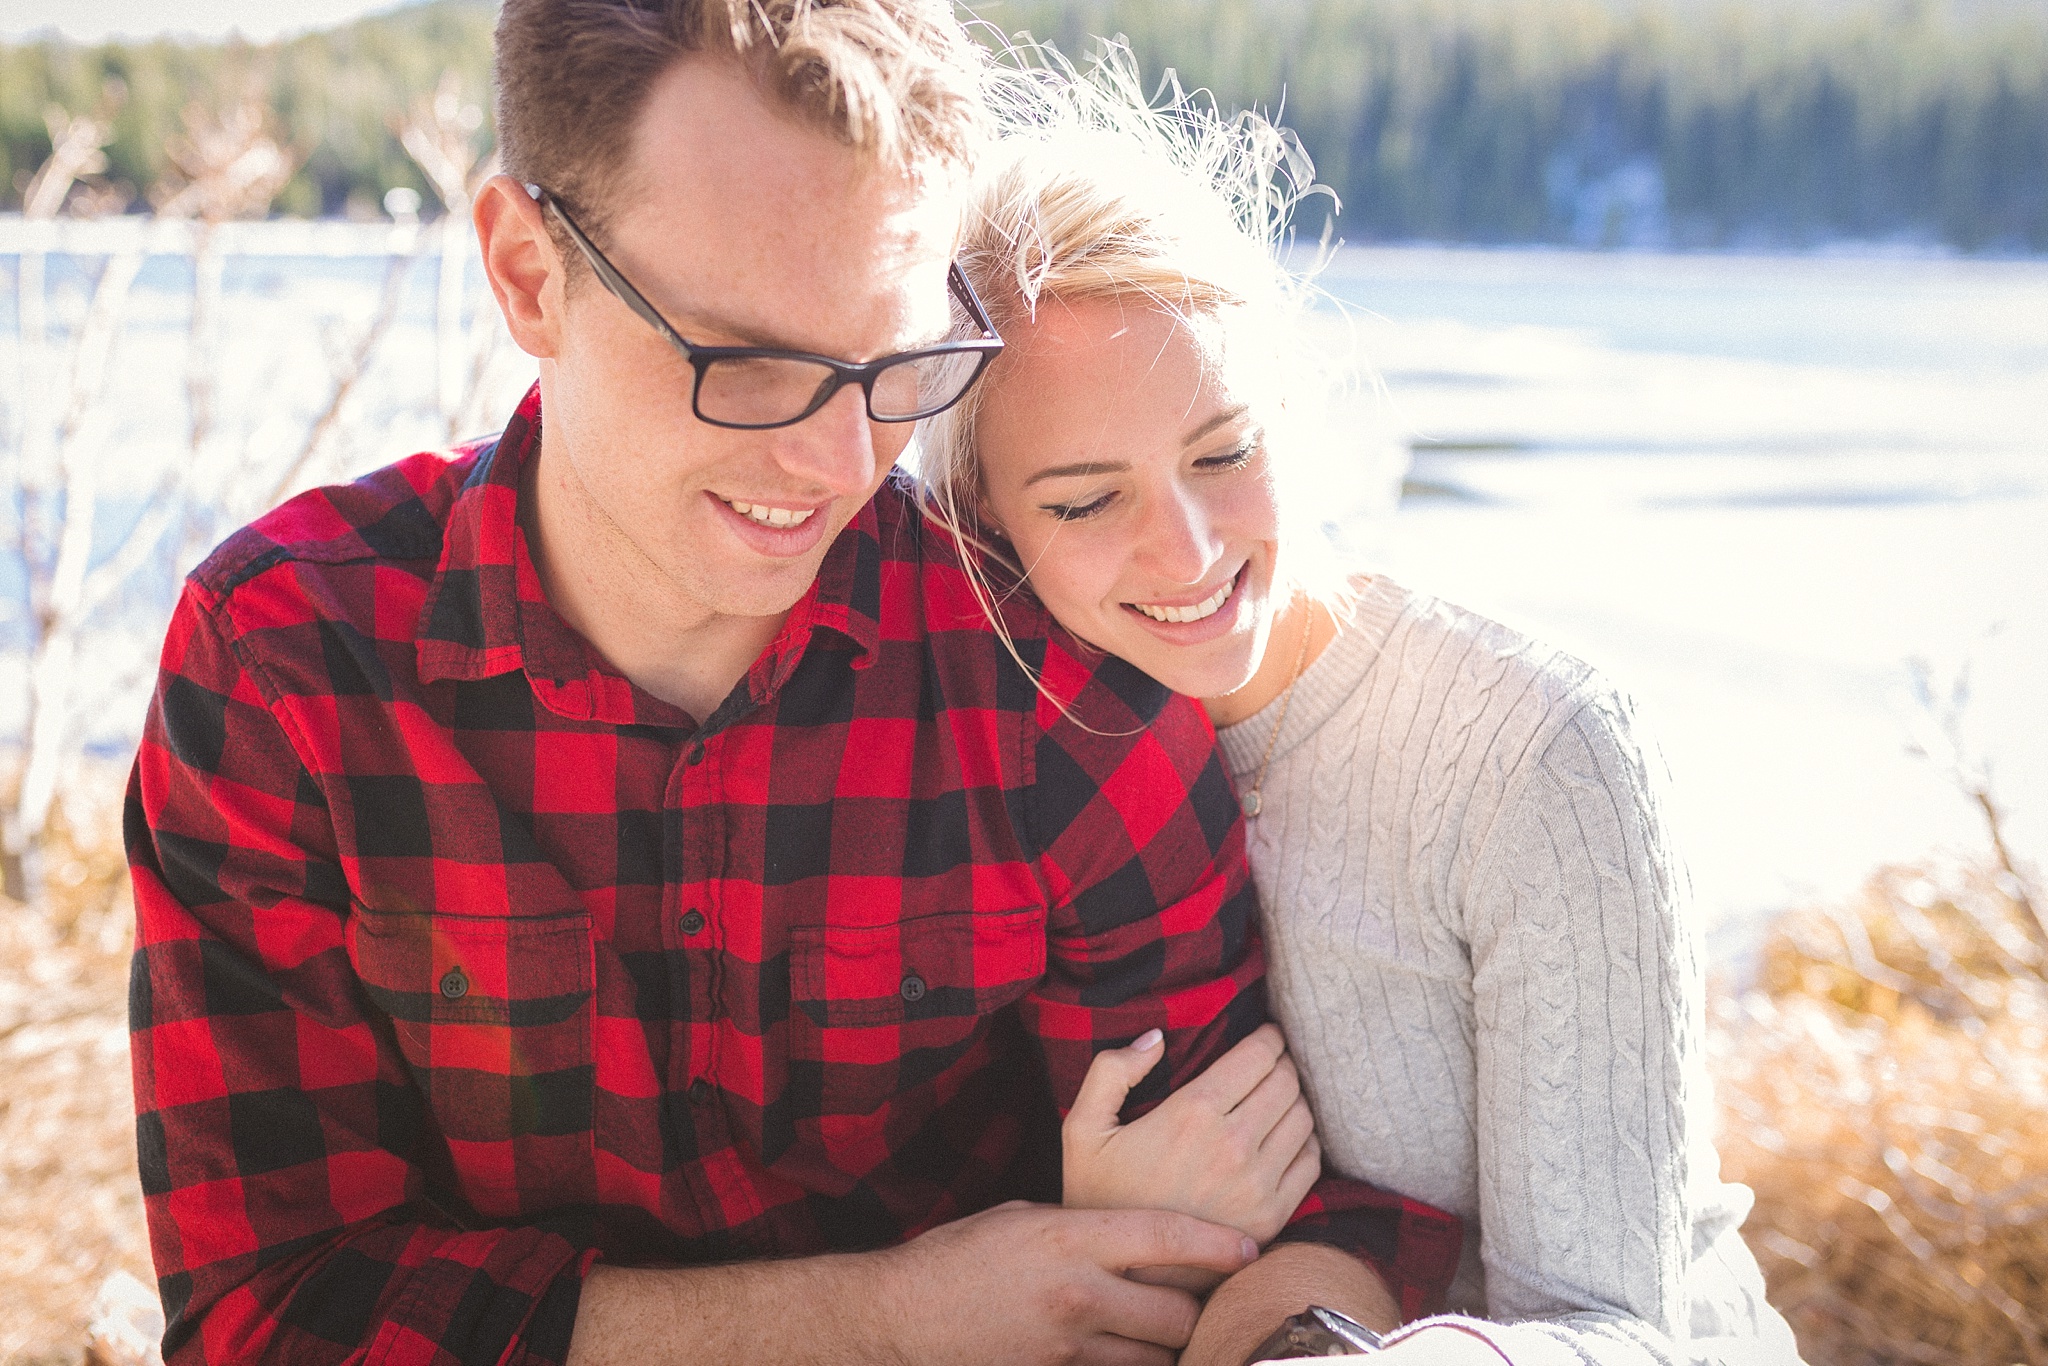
{"x": 1687, "y": 122}
{"x": 336, "y": 98}
{"x": 1695, "y": 123}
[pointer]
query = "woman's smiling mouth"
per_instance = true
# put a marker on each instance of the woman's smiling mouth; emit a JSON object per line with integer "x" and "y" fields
{"x": 1198, "y": 611}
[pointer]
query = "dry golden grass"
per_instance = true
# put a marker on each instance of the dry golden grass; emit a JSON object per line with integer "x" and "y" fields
{"x": 1885, "y": 1092}
{"x": 70, "y": 1203}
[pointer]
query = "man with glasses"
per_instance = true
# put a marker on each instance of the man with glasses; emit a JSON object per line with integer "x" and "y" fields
{"x": 604, "y": 893}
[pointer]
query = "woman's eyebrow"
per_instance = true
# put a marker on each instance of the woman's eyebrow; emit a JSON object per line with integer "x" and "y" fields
{"x": 1228, "y": 415}
{"x": 1078, "y": 468}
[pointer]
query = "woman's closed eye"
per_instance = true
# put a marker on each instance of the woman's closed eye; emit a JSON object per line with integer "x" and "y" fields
{"x": 1236, "y": 458}
{"x": 1075, "y": 512}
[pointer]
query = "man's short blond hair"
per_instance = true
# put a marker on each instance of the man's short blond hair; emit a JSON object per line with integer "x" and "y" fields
{"x": 899, "y": 81}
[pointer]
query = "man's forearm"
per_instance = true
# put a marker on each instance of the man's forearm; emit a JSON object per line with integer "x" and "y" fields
{"x": 1246, "y": 1308}
{"x": 803, "y": 1310}
{"x": 1043, "y": 1284}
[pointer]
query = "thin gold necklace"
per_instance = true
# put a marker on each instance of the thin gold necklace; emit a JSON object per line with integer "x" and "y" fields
{"x": 1251, "y": 801}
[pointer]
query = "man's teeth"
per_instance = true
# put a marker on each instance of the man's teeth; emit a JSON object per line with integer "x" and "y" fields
{"x": 768, "y": 516}
{"x": 1207, "y": 607}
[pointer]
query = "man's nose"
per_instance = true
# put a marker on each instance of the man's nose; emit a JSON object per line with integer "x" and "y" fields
{"x": 832, "y": 450}
{"x": 1176, "y": 539}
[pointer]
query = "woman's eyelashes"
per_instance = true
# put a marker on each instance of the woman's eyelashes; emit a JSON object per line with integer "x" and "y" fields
{"x": 1236, "y": 458}
{"x": 1074, "y": 512}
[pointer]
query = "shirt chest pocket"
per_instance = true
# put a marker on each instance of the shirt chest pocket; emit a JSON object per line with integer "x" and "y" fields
{"x": 880, "y": 1011}
{"x": 493, "y": 1015}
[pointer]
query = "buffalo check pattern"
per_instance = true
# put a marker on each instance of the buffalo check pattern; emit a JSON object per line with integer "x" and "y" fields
{"x": 462, "y": 962}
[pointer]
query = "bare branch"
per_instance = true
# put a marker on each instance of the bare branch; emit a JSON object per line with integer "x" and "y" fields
{"x": 438, "y": 134}
{"x": 1944, "y": 704}
{"x": 96, "y": 342}
{"x": 77, "y": 144}
{"x": 105, "y": 578}
{"x": 231, "y": 164}
{"x": 350, "y": 375}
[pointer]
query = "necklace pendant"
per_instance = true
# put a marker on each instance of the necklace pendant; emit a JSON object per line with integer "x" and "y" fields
{"x": 1250, "y": 802}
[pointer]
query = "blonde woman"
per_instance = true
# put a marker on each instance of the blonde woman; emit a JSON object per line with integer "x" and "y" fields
{"x": 1478, "y": 932}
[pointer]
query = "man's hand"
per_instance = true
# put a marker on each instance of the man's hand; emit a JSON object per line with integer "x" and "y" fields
{"x": 1041, "y": 1286}
{"x": 1032, "y": 1285}
{"x": 1235, "y": 1146}
{"x": 1246, "y": 1309}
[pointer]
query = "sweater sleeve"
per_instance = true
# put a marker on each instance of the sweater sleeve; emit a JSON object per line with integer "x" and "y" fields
{"x": 1588, "y": 999}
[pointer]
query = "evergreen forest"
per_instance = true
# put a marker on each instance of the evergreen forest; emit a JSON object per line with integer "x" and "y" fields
{"x": 1686, "y": 123}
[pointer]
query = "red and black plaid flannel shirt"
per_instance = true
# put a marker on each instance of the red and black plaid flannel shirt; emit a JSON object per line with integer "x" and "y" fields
{"x": 463, "y": 962}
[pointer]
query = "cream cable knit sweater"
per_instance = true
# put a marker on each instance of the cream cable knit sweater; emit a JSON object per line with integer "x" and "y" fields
{"x": 1481, "y": 958}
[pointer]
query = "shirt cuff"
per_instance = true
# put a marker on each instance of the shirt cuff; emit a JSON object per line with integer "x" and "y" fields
{"x": 488, "y": 1298}
{"x": 1412, "y": 1246}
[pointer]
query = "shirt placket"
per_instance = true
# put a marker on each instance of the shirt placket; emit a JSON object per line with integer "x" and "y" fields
{"x": 697, "y": 820}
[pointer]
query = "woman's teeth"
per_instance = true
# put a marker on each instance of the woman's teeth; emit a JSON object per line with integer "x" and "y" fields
{"x": 768, "y": 516}
{"x": 1207, "y": 607}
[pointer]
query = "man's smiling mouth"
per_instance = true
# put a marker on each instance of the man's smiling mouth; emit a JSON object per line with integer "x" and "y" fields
{"x": 770, "y": 516}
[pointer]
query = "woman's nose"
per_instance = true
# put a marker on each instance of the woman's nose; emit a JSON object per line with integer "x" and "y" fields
{"x": 1177, "y": 539}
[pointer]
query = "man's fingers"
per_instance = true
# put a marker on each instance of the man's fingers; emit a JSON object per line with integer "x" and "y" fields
{"x": 1154, "y": 1314}
{"x": 1232, "y": 1077}
{"x": 1110, "y": 1078}
{"x": 1105, "y": 1349}
{"x": 1128, "y": 1238}
{"x": 1192, "y": 1279}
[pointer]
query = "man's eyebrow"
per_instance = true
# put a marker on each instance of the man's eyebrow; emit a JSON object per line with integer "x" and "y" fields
{"x": 707, "y": 323}
{"x": 686, "y": 321}
{"x": 1078, "y": 468}
{"x": 1228, "y": 415}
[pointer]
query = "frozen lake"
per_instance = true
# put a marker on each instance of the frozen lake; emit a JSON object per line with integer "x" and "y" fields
{"x": 1749, "y": 489}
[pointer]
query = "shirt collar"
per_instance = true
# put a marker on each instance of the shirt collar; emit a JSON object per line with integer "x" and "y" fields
{"x": 486, "y": 613}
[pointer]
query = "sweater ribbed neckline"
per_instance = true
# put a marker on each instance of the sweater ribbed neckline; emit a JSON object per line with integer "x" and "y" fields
{"x": 1324, "y": 686}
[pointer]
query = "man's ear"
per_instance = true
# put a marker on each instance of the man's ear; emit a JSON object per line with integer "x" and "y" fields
{"x": 521, "y": 263}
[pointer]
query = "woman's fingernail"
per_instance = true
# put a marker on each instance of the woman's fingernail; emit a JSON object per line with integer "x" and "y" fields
{"x": 1250, "y": 1251}
{"x": 1147, "y": 1041}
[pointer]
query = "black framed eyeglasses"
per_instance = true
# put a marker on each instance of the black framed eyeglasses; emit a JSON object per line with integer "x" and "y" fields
{"x": 757, "y": 387}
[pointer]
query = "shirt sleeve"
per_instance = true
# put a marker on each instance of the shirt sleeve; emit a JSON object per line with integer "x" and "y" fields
{"x": 281, "y": 1137}
{"x": 1154, "y": 924}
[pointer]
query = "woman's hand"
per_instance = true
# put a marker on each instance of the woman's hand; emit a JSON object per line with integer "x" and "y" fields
{"x": 1235, "y": 1146}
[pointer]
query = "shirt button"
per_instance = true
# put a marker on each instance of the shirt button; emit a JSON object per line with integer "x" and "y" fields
{"x": 700, "y": 1091}
{"x": 695, "y": 756}
{"x": 693, "y": 921}
{"x": 913, "y": 987}
{"x": 454, "y": 983}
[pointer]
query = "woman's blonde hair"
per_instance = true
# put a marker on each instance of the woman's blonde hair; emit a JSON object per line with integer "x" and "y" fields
{"x": 1094, "y": 191}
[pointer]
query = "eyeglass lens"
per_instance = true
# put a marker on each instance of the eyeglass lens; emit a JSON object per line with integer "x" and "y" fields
{"x": 760, "y": 390}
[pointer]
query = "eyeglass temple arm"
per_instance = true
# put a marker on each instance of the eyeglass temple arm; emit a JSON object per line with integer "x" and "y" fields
{"x": 963, "y": 290}
{"x": 634, "y": 300}
{"x": 613, "y": 281}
